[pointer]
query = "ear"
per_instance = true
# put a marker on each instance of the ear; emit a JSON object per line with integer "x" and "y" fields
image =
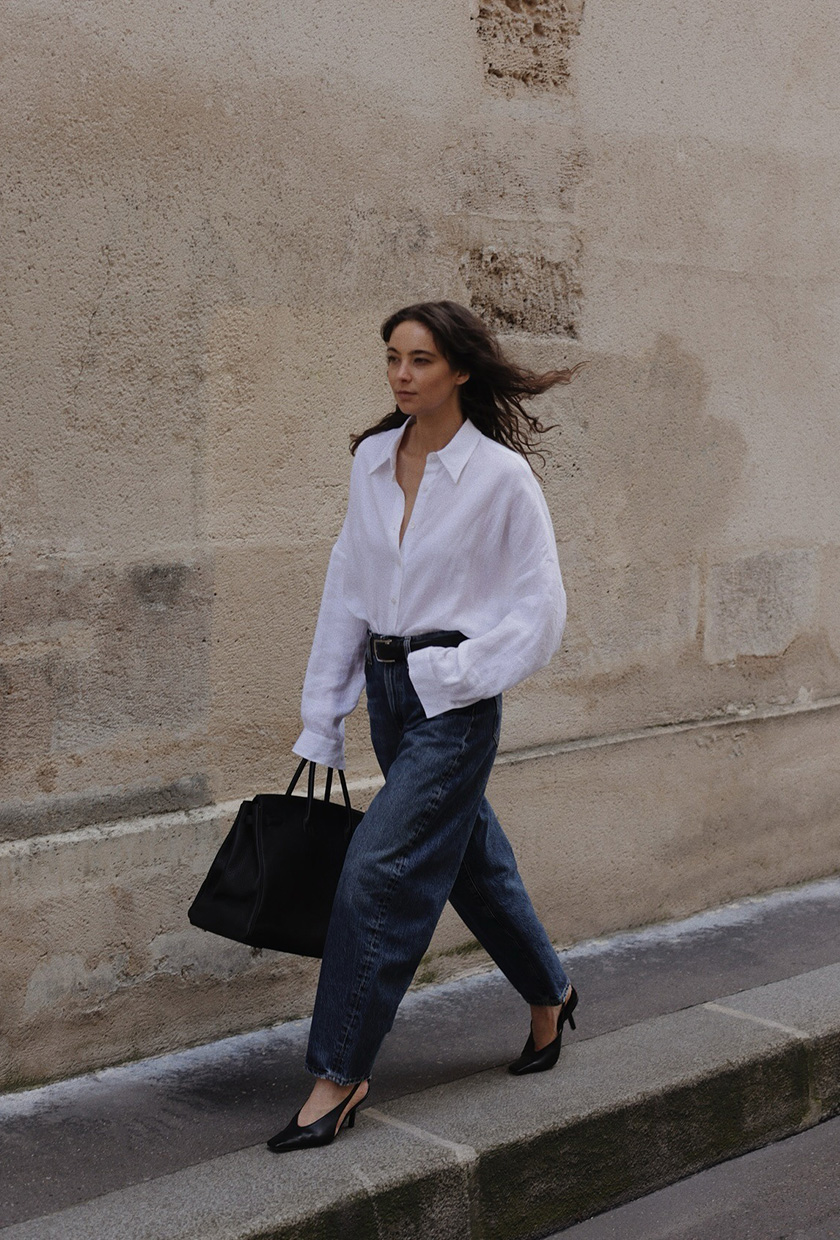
{"x": 462, "y": 377}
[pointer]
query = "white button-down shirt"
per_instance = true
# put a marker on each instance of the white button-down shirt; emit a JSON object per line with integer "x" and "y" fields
{"x": 478, "y": 555}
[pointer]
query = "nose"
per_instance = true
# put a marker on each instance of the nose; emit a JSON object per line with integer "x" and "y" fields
{"x": 403, "y": 370}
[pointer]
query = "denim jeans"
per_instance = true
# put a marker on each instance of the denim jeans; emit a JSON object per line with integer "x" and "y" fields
{"x": 428, "y": 836}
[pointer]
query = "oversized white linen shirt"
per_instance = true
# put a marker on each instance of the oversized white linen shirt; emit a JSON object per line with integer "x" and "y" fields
{"x": 478, "y": 555}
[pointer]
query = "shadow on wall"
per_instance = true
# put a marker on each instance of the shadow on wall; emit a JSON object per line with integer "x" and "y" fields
{"x": 659, "y": 473}
{"x": 668, "y": 619}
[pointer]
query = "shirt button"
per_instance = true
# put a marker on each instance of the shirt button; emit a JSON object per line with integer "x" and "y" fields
{"x": 393, "y": 602}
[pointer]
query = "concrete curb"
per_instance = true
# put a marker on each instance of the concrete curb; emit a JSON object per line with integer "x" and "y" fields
{"x": 496, "y": 1157}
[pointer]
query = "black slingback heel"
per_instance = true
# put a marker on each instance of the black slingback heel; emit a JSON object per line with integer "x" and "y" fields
{"x": 532, "y": 1060}
{"x": 320, "y": 1132}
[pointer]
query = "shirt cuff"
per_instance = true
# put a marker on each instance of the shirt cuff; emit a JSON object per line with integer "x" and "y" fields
{"x": 325, "y": 750}
{"x": 425, "y": 675}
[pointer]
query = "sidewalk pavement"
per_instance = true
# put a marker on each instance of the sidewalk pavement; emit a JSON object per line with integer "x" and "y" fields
{"x": 697, "y": 1040}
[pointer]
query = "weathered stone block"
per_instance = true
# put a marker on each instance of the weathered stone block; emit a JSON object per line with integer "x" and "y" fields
{"x": 30, "y": 689}
{"x": 527, "y": 41}
{"x": 148, "y": 654}
{"x": 103, "y": 690}
{"x": 521, "y": 290}
{"x": 758, "y": 605}
{"x": 39, "y": 600}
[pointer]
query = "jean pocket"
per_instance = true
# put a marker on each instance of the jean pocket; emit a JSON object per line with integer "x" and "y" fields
{"x": 497, "y": 726}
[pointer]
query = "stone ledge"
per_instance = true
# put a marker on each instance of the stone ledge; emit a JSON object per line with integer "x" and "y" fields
{"x": 492, "y": 1156}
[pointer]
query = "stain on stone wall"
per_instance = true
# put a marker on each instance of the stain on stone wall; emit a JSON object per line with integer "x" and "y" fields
{"x": 527, "y": 42}
{"x": 158, "y": 586}
{"x": 523, "y": 291}
{"x": 759, "y": 604}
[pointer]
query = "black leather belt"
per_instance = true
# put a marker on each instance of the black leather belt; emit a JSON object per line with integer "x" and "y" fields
{"x": 396, "y": 649}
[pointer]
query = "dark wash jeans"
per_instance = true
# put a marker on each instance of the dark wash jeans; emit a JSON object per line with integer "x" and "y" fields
{"x": 428, "y": 836}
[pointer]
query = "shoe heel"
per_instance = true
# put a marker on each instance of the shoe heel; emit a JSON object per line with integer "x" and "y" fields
{"x": 351, "y": 1118}
{"x": 569, "y": 1006}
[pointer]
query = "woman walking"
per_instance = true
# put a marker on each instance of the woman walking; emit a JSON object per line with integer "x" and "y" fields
{"x": 443, "y": 590}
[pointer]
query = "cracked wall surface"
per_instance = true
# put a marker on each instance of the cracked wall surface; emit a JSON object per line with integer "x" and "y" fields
{"x": 205, "y": 214}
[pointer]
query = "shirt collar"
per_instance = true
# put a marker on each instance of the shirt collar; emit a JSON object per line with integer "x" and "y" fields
{"x": 453, "y": 457}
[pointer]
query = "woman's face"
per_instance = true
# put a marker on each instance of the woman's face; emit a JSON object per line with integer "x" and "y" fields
{"x": 421, "y": 378}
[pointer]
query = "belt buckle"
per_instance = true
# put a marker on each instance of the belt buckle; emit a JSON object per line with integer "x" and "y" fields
{"x": 377, "y": 642}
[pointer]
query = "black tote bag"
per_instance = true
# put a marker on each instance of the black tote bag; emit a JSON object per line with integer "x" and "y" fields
{"x": 274, "y": 878}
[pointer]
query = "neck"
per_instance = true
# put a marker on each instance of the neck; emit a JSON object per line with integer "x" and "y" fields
{"x": 434, "y": 431}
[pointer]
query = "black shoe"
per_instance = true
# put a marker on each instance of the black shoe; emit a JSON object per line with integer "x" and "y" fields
{"x": 320, "y": 1132}
{"x": 532, "y": 1060}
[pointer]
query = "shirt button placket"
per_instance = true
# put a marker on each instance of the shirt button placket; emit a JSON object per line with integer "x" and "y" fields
{"x": 394, "y": 597}
{"x": 395, "y": 587}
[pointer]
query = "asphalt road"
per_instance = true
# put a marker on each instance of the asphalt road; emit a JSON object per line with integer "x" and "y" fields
{"x": 786, "y": 1191}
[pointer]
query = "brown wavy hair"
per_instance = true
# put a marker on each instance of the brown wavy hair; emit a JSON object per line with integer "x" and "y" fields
{"x": 492, "y": 396}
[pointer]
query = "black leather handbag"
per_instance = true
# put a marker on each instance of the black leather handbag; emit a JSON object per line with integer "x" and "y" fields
{"x": 274, "y": 878}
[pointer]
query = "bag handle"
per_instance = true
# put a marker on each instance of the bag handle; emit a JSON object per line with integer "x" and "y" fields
{"x": 310, "y": 790}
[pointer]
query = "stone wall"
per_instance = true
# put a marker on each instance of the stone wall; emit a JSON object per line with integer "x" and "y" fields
{"x": 207, "y": 211}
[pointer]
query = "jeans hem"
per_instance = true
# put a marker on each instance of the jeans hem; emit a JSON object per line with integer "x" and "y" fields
{"x": 334, "y": 1076}
{"x": 541, "y": 1001}
{"x": 565, "y": 994}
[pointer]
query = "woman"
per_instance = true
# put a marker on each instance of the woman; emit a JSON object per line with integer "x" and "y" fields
{"x": 442, "y": 591}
